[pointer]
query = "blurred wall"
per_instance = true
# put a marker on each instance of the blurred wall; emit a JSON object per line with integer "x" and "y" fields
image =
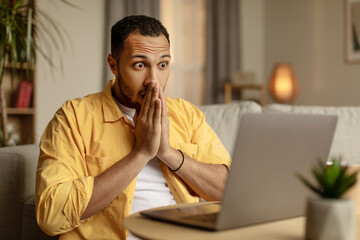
{"x": 310, "y": 35}
{"x": 252, "y": 38}
{"x": 307, "y": 33}
{"x": 83, "y": 58}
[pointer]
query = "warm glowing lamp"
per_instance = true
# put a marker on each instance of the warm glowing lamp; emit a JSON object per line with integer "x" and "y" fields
{"x": 283, "y": 84}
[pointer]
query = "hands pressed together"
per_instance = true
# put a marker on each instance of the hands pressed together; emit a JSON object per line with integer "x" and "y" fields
{"x": 152, "y": 140}
{"x": 152, "y": 124}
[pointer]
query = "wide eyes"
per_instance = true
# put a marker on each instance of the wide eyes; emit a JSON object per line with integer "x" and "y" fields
{"x": 141, "y": 65}
{"x": 163, "y": 65}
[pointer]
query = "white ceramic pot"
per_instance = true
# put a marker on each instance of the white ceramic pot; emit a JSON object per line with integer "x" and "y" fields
{"x": 330, "y": 219}
{"x": 354, "y": 192}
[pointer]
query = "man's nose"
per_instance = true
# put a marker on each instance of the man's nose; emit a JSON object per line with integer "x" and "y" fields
{"x": 152, "y": 76}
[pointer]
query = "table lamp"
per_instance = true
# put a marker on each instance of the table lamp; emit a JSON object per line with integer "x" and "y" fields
{"x": 283, "y": 85}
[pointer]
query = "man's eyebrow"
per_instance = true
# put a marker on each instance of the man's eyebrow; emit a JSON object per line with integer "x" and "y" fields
{"x": 139, "y": 56}
{"x": 144, "y": 56}
{"x": 166, "y": 55}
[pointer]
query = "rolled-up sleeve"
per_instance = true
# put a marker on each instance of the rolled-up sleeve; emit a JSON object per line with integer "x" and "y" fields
{"x": 63, "y": 185}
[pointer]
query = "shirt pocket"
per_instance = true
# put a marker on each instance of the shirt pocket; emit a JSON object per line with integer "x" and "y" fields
{"x": 188, "y": 148}
{"x": 96, "y": 165}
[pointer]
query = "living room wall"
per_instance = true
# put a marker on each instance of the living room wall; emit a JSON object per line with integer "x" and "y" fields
{"x": 310, "y": 35}
{"x": 83, "y": 58}
{"x": 307, "y": 33}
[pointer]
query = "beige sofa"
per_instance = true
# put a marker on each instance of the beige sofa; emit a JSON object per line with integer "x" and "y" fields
{"x": 18, "y": 164}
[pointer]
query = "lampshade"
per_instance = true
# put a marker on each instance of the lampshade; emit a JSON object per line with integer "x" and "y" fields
{"x": 283, "y": 85}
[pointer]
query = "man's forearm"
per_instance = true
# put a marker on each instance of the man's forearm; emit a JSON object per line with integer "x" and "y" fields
{"x": 207, "y": 180}
{"x": 109, "y": 184}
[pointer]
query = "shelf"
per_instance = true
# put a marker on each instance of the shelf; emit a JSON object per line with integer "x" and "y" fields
{"x": 229, "y": 87}
{"x": 19, "y": 67}
{"x": 20, "y": 111}
{"x": 245, "y": 85}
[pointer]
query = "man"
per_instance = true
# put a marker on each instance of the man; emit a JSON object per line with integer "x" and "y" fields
{"x": 127, "y": 148}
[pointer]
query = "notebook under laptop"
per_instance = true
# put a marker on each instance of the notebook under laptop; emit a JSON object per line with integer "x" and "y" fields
{"x": 270, "y": 149}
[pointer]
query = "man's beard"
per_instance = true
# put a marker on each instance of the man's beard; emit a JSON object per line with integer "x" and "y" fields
{"x": 127, "y": 93}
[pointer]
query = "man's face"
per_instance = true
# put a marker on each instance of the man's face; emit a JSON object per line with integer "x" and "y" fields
{"x": 143, "y": 60}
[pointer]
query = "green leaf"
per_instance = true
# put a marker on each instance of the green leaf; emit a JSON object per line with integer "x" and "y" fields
{"x": 333, "y": 180}
{"x": 309, "y": 185}
{"x": 21, "y": 30}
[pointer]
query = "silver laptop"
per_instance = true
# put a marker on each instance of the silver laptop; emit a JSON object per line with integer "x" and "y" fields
{"x": 262, "y": 186}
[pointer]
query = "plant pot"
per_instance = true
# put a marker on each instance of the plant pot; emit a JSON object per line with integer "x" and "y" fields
{"x": 354, "y": 192}
{"x": 330, "y": 219}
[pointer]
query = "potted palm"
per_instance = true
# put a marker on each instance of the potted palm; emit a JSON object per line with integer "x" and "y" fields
{"x": 21, "y": 28}
{"x": 330, "y": 215}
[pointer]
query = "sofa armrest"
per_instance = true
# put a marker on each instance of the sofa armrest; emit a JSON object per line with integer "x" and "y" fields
{"x": 30, "y": 155}
{"x": 12, "y": 194}
{"x": 30, "y": 229}
{"x": 17, "y": 183}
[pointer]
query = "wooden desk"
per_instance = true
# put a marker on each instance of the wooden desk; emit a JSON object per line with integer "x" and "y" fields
{"x": 229, "y": 87}
{"x": 290, "y": 229}
{"x": 150, "y": 229}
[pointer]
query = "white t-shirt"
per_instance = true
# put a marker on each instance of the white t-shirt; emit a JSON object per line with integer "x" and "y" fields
{"x": 151, "y": 188}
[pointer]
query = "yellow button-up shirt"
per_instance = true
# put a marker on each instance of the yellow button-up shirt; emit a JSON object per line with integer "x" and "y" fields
{"x": 87, "y": 136}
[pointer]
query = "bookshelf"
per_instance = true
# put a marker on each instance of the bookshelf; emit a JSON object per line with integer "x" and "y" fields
{"x": 18, "y": 114}
{"x": 20, "y": 122}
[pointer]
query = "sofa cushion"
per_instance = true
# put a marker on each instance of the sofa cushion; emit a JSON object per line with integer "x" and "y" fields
{"x": 225, "y": 118}
{"x": 346, "y": 142}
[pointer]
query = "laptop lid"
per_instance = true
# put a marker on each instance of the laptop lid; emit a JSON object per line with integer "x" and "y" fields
{"x": 271, "y": 148}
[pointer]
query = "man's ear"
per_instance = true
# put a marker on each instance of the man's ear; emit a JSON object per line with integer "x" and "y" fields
{"x": 112, "y": 64}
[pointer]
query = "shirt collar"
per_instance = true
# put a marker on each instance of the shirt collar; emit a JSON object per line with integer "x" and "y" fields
{"x": 111, "y": 111}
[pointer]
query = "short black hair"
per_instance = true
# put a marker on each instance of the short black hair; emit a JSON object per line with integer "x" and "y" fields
{"x": 146, "y": 26}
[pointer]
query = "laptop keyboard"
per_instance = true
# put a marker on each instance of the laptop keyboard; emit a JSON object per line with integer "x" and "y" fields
{"x": 205, "y": 218}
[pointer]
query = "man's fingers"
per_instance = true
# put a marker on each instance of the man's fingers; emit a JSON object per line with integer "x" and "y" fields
{"x": 157, "y": 114}
{"x": 163, "y": 107}
{"x": 152, "y": 106}
{"x": 146, "y": 102}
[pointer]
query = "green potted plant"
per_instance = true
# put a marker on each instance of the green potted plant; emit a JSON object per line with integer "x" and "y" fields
{"x": 22, "y": 27}
{"x": 330, "y": 215}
